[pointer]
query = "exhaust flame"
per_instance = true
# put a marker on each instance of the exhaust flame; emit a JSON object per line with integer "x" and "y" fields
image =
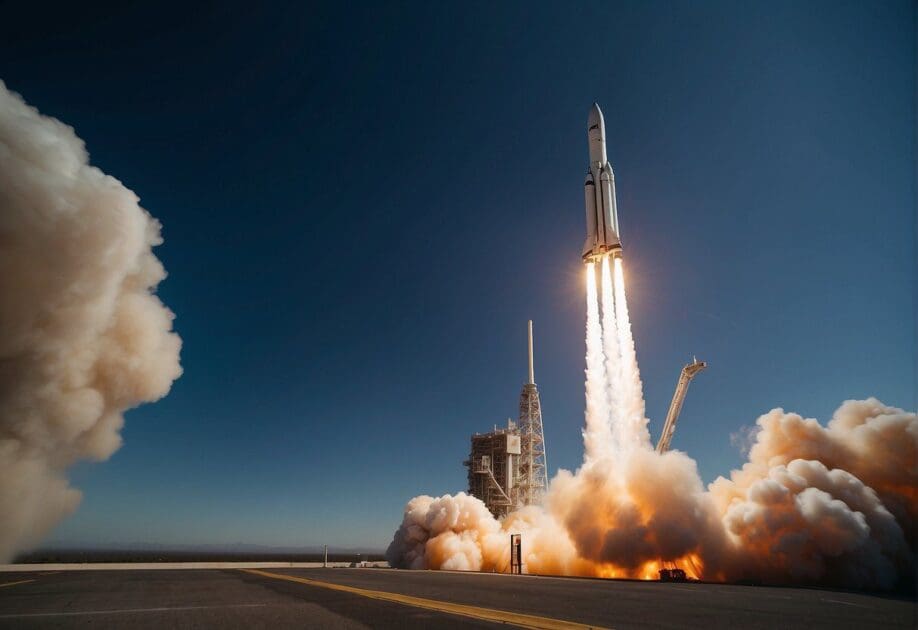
{"x": 814, "y": 504}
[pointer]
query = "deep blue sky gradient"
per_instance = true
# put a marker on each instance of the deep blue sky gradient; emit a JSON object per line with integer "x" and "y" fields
{"x": 362, "y": 206}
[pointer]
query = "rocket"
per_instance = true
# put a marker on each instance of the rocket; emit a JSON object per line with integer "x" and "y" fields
{"x": 599, "y": 194}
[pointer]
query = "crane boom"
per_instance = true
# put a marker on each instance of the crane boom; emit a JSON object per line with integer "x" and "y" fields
{"x": 675, "y": 407}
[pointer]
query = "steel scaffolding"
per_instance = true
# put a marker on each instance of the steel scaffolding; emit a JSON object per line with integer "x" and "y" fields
{"x": 507, "y": 467}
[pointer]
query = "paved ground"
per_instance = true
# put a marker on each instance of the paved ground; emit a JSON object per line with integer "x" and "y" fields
{"x": 108, "y": 566}
{"x": 312, "y": 598}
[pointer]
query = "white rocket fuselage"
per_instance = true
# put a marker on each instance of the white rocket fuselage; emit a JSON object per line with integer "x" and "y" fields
{"x": 599, "y": 195}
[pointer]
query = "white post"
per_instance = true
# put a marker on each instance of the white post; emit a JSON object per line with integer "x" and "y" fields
{"x": 531, "y": 370}
{"x": 325, "y": 561}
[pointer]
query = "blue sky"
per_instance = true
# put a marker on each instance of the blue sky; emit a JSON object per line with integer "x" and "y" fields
{"x": 363, "y": 205}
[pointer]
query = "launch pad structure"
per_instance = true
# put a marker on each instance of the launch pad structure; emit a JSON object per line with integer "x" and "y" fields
{"x": 494, "y": 468}
{"x": 675, "y": 407}
{"x": 507, "y": 466}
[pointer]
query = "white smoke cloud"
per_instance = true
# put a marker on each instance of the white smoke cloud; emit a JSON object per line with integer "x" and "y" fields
{"x": 827, "y": 504}
{"x": 835, "y": 504}
{"x": 743, "y": 438}
{"x": 82, "y": 336}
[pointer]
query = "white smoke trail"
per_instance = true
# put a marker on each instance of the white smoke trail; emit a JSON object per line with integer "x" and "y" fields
{"x": 613, "y": 360}
{"x": 596, "y": 433}
{"x": 635, "y": 431}
{"x": 82, "y": 336}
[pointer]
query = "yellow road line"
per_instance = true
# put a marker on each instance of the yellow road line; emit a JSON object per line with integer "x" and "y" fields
{"x": 15, "y": 583}
{"x": 465, "y": 610}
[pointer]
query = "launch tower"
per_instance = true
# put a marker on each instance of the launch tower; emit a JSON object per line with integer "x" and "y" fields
{"x": 507, "y": 468}
{"x": 533, "y": 468}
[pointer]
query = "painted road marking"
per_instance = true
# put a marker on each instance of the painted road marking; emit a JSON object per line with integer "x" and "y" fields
{"x": 838, "y": 601}
{"x": 15, "y": 583}
{"x": 78, "y": 613}
{"x": 465, "y": 610}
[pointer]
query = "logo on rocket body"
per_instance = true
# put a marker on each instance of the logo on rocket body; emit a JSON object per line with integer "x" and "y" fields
{"x": 599, "y": 195}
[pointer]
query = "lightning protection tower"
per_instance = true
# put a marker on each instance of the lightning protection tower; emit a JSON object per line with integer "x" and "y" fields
{"x": 533, "y": 468}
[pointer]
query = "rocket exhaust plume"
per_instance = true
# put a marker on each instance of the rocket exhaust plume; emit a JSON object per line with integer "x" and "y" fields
{"x": 613, "y": 359}
{"x": 596, "y": 433}
{"x": 635, "y": 430}
{"x": 82, "y": 335}
{"x": 814, "y": 504}
{"x": 833, "y": 505}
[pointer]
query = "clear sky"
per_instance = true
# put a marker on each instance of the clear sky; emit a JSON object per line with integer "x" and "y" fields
{"x": 363, "y": 205}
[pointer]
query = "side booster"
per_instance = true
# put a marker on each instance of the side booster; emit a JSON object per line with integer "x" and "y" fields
{"x": 599, "y": 194}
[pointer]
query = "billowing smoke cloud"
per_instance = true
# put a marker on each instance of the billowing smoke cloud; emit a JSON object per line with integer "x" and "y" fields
{"x": 82, "y": 336}
{"x": 827, "y": 504}
{"x": 835, "y": 504}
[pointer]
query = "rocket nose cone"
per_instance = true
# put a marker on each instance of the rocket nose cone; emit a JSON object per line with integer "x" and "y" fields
{"x": 595, "y": 117}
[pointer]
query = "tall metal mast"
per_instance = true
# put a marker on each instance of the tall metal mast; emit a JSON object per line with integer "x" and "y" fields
{"x": 531, "y": 370}
{"x": 533, "y": 471}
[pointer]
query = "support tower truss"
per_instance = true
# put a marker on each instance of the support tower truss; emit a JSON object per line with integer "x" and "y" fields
{"x": 533, "y": 467}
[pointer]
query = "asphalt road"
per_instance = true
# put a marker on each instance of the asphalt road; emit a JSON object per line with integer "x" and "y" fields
{"x": 312, "y": 598}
